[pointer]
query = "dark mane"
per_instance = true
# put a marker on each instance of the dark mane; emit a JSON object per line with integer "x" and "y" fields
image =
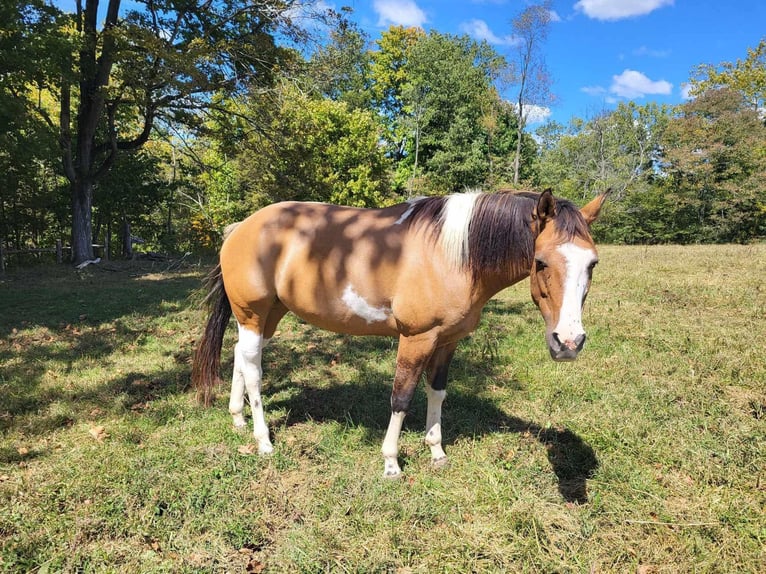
{"x": 500, "y": 231}
{"x": 500, "y": 234}
{"x": 569, "y": 221}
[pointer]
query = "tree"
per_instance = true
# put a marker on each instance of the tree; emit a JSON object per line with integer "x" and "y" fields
{"x": 390, "y": 76}
{"x": 530, "y": 29}
{"x": 715, "y": 153}
{"x": 613, "y": 150}
{"x": 748, "y": 77}
{"x": 29, "y": 213}
{"x": 316, "y": 150}
{"x": 340, "y": 70}
{"x": 448, "y": 89}
{"x": 158, "y": 64}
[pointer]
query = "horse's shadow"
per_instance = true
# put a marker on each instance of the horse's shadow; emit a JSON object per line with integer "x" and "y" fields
{"x": 365, "y": 404}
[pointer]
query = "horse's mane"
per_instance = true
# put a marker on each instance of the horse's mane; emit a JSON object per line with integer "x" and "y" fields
{"x": 493, "y": 232}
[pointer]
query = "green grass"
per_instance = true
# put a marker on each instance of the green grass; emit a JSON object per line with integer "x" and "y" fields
{"x": 647, "y": 454}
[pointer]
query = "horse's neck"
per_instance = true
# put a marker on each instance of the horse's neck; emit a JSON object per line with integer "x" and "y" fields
{"x": 491, "y": 283}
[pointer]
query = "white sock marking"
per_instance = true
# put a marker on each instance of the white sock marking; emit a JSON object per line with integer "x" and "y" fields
{"x": 390, "y": 448}
{"x": 250, "y": 351}
{"x": 433, "y": 423}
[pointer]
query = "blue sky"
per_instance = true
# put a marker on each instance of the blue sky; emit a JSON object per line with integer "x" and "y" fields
{"x": 599, "y": 52}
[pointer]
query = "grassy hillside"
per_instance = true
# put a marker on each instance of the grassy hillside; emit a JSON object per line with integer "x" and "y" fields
{"x": 648, "y": 454}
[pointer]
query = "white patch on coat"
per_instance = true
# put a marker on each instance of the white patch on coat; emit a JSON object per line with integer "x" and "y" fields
{"x": 362, "y": 308}
{"x": 454, "y": 233}
{"x": 411, "y": 206}
{"x": 578, "y": 260}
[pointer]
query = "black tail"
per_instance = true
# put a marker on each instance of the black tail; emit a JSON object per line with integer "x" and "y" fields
{"x": 207, "y": 357}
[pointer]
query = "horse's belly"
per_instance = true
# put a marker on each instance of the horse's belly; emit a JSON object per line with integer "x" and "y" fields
{"x": 342, "y": 311}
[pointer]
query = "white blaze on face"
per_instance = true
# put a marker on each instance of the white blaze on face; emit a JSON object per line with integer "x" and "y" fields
{"x": 360, "y": 307}
{"x": 578, "y": 261}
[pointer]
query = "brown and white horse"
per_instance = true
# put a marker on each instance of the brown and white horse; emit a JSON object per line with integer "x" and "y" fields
{"x": 421, "y": 271}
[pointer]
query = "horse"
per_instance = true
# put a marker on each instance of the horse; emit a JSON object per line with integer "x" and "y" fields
{"x": 421, "y": 271}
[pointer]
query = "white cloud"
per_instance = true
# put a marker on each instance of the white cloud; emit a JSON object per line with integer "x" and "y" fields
{"x": 399, "y": 13}
{"x": 686, "y": 92}
{"x": 632, "y": 84}
{"x": 536, "y": 114}
{"x": 479, "y": 30}
{"x": 555, "y": 16}
{"x": 594, "y": 90}
{"x": 645, "y": 51}
{"x": 619, "y": 9}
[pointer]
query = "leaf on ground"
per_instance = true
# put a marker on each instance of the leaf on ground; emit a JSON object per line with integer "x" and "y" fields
{"x": 246, "y": 449}
{"x": 98, "y": 432}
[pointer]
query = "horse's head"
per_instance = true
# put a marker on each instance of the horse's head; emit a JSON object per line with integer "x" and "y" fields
{"x": 565, "y": 256}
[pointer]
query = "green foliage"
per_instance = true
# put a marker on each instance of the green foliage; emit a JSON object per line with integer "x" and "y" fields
{"x": 747, "y": 77}
{"x": 230, "y": 116}
{"x": 390, "y": 76}
{"x": 30, "y": 206}
{"x": 341, "y": 70}
{"x": 449, "y": 87}
{"x": 316, "y": 150}
{"x": 716, "y": 161}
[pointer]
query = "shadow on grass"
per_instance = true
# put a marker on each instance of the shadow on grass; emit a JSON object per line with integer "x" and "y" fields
{"x": 466, "y": 412}
{"x": 129, "y": 304}
{"x": 56, "y": 318}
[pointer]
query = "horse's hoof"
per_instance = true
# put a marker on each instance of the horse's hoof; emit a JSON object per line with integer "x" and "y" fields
{"x": 239, "y": 422}
{"x": 392, "y": 475}
{"x": 440, "y": 462}
{"x": 265, "y": 449}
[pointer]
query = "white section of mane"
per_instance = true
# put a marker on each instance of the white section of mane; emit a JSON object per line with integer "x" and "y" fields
{"x": 458, "y": 211}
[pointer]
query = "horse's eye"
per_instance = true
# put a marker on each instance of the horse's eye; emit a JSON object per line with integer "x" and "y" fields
{"x": 540, "y": 265}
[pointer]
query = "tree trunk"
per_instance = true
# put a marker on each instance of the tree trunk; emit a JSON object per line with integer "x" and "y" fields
{"x": 517, "y": 155}
{"x": 82, "y": 226}
{"x": 127, "y": 239}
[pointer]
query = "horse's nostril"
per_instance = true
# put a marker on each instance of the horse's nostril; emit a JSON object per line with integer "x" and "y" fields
{"x": 580, "y": 341}
{"x": 557, "y": 340}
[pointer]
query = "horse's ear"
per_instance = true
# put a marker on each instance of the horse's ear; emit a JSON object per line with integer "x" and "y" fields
{"x": 546, "y": 206}
{"x": 592, "y": 209}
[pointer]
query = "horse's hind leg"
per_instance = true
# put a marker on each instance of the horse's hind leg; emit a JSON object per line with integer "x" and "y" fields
{"x": 247, "y": 362}
{"x": 248, "y": 374}
{"x": 237, "y": 397}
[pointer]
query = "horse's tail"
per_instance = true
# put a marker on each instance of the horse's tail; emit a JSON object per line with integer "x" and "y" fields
{"x": 207, "y": 357}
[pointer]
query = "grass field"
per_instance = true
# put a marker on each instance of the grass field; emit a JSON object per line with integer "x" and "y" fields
{"x": 646, "y": 455}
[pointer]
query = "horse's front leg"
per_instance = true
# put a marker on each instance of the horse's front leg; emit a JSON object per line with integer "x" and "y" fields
{"x": 436, "y": 390}
{"x": 411, "y": 360}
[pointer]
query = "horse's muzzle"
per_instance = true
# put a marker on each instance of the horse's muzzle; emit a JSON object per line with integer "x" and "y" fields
{"x": 565, "y": 350}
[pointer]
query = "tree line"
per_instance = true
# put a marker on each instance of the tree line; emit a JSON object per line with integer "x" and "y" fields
{"x": 170, "y": 120}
